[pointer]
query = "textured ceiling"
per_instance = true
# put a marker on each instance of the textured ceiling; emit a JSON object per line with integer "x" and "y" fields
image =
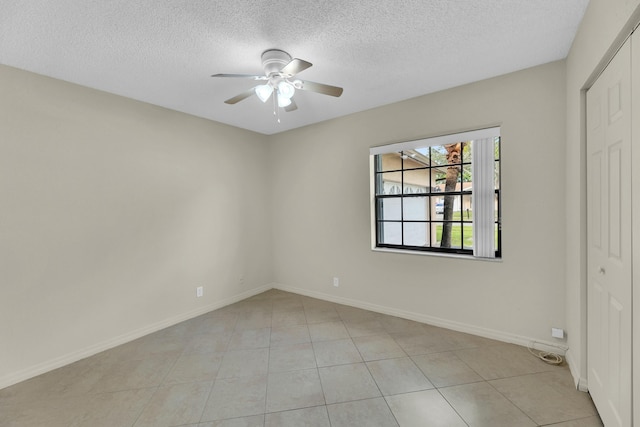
{"x": 164, "y": 51}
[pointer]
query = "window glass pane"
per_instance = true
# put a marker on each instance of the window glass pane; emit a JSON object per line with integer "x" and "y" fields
{"x": 436, "y": 235}
{"x": 437, "y": 204}
{"x": 416, "y": 234}
{"x": 454, "y": 153}
{"x": 467, "y": 210}
{"x": 497, "y": 243}
{"x": 496, "y": 148}
{"x": 467, "y": 176}
{"x": 466, "y": 152}
{"x": 390, "y": 233}
{"x": 496, "y": 175}
{"x": 455, "y": 231}
{"x": 495, "y": 210}
{"x": 416, "y": 181}
{"x": 467, "y": 235}
{"x": 417, "y": 158}
{"x": 388, "y": 162}
{"x": 415, "y": 208}
{"x": 389, "y": 209}
{"x": 438, "y": 155}
{"x": 389, "y": 183}
{"x": 454, "y": 202}
{"x": 439, "y": 175}
{"x": 455, "y": 235}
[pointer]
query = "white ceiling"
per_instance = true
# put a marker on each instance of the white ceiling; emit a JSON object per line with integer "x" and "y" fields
{"x": 164, "y": 51}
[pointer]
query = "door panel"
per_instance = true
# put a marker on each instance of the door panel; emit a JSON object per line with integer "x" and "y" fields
{"x": 609, "y": 241}
{"x": 595, "y": 200}
{"x": 615, "y": 201}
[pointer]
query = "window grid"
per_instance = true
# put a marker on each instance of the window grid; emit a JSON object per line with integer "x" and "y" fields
{"x": 429, "y": 194}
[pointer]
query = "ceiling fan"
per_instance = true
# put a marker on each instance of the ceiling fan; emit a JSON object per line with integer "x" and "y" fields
{"x": 279, "y": 72}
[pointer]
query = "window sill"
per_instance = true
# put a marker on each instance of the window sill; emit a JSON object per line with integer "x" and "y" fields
{"x": 435, "y": 254}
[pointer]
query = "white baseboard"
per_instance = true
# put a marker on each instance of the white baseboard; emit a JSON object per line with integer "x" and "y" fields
{"x": 579, "y": 381}
{"x": 58, "y": 362}
{"x": 431, "y": 320}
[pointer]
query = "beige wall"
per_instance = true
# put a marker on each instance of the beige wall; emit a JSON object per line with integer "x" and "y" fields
{"x": 111, "y": 213}
{"x": 321, "y": 217}
{"x": 605, "y": 24}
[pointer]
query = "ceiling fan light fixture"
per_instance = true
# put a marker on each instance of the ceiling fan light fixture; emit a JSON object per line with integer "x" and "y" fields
{"x": 283, "y": 102}
{"x": 286, "y": 90}
{"x": 264, "y": 92}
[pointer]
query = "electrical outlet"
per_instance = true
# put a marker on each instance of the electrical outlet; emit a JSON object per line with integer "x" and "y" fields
{"x": 199, "y": 291}
{"x": 336, "y": 282}
{"x": 557, "y": 333}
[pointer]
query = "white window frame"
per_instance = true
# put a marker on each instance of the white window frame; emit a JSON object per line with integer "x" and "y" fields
{"x": 483, "y": 169}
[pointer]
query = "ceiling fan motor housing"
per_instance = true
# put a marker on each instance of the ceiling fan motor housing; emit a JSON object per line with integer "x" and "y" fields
{"x": 274, "y": 60}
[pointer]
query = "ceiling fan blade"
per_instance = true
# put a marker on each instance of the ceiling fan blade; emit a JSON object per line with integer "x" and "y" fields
{"x": 321, "y": 88}
{"x": 240, "y": 97}
{"x": 291, "y": 107}
{"x": 242, "y": 76}
{"x": 295, "y": 66}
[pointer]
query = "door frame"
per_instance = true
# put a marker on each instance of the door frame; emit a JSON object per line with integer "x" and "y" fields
{"x": 635, "y": 213}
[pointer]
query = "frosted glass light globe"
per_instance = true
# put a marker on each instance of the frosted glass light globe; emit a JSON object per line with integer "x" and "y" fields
{"x": 286, "y": 90}
{"x": 283, "y": 102}
{"x": 264, "y": 92}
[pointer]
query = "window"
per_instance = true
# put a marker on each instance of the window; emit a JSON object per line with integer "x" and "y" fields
{"x": 439, "y": 194}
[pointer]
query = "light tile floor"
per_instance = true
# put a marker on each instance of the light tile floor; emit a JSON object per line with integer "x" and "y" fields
{"x": 279, "y": 359}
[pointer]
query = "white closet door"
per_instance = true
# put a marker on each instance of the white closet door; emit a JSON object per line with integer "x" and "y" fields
{"x": 609, "y": 241}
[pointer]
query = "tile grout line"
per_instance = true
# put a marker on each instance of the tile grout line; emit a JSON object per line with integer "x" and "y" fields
{"x": 213, "y": 384}
{"x": 512, "y": 402}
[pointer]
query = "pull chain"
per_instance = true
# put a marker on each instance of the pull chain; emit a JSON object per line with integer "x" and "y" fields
{"x": 276, "y": 110}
